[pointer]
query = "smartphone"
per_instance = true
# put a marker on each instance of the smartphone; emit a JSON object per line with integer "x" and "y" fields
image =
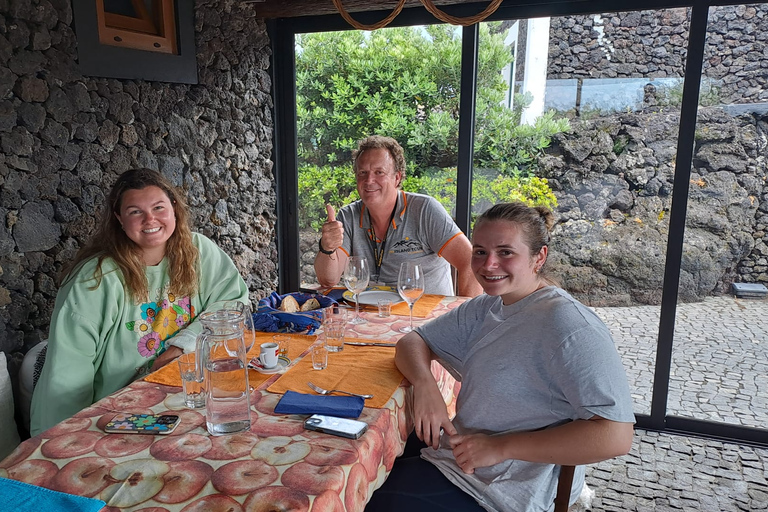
{"x": 343, "y": 427}
{"x": 126, "y": 423}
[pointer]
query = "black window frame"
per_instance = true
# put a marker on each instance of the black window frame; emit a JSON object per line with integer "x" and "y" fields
{"x": 282, "y": 33}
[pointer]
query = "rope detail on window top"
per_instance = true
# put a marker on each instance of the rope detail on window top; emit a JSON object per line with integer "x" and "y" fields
{"x": 437, "y": 13}
{"x": 379, "y": 24}
{"x": 469, "y": 20}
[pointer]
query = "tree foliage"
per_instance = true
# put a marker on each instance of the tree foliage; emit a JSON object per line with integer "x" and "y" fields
{"x": 404, "y": 83}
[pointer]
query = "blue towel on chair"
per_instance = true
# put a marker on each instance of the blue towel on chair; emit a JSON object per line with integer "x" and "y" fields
{"x": 299, "y": 403}
{"x": 24, "y": 497}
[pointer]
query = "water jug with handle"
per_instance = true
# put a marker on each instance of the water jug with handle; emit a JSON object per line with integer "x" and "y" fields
{"x": 222, "y": 368}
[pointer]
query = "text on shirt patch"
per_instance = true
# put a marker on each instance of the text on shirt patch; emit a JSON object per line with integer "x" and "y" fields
{"x": 408, "y": 246}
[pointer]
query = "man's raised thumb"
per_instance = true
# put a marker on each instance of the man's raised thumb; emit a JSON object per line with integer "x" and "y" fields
{"x": 331, "y": 213}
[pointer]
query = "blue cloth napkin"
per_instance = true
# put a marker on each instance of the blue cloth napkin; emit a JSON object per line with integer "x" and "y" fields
{"x": 299, "y": 403}
{"x": 24, "y": 497}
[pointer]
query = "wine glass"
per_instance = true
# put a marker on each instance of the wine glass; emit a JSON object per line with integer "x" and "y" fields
{"x": 356, "y": 276}
{"x": 410, "y": 286}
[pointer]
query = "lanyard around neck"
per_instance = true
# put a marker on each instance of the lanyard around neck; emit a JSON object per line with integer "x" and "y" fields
{"x": 378, "y": 249}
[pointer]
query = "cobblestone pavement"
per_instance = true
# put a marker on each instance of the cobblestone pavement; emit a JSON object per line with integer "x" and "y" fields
{"x": 720, "y": 373}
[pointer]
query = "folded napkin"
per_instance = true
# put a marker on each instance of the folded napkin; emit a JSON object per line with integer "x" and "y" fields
{"x": 299, "y": 403}
{"x": 169, "y": 374}
{"x": 356, "y": 369}
{"x": 31, "y": 498}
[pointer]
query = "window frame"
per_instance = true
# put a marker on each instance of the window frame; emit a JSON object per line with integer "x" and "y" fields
{"x": 283, "y": 33}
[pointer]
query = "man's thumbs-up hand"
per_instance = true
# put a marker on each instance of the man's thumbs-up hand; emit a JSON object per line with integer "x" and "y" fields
{"x": 332, "y": 235}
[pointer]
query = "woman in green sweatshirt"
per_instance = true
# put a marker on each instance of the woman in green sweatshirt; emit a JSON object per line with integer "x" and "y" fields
{"x": 128, "y": 302}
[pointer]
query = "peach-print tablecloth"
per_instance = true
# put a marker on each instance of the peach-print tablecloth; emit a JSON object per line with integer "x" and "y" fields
{"x": 277, "y": 462}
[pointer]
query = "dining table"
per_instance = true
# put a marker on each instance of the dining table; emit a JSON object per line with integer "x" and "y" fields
{"x": 276, "y": 465}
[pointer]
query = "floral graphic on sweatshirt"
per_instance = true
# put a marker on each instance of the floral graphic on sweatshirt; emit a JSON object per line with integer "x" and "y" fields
{"x": 160, "y": 319}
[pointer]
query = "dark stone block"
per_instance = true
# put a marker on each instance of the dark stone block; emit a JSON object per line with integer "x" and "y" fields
{"x": 59, "y": 106}
{"x": 36, "y": 229}
{"x": 70, "y": 156}
{"x": 6, "y": 50}
{"x": 7, "y": 81}
{"x": 18, "y": 34}
{"x": 32, "y": 116}
{"x": 7, "y": 115}
{"x": 17, "y": 142}
{"x": 65, "y": 210}
{"x": 48, "y": 163}
{"x": 55, "y": 133}
{"x": 26, "y": 62}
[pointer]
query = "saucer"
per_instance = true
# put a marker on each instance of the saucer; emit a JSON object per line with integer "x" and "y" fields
{"x": 282, "y": 363}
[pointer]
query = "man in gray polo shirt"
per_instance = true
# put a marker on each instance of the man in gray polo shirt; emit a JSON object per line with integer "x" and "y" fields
{"x": 388, "y": 226}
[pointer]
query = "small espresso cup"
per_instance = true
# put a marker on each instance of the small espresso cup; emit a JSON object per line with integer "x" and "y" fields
{"x": 268, "y": 354}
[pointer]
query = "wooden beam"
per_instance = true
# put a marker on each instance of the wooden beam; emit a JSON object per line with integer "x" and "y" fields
{"x": 293, "y": 8}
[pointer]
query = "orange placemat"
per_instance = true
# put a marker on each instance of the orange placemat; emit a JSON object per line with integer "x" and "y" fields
{"x": 421, "y": 308}
{"x": 170, "y": 376}
{"x": 365, "y": 370}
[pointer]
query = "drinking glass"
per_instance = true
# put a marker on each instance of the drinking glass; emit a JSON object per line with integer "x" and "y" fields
{"x": 334, "y": 325}
{"x": 356, "y": 276}
{"x": 410, "y": 286}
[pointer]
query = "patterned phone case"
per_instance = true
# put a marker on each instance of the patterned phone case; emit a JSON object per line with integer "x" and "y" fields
{"x": 142, "y": 424}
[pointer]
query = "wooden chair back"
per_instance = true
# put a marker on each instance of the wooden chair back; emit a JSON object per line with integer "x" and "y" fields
{"x": 564, "y": 483}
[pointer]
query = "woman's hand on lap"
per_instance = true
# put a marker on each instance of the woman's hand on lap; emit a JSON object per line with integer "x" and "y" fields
{"x": 430, "y": 416}
{"x": 475, "y": 451}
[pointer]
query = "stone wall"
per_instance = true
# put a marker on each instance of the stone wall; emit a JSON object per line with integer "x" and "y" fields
{"x": 653, "y": 44}
{"x": 65, "y": 137}
{"x": 613, "y": 179}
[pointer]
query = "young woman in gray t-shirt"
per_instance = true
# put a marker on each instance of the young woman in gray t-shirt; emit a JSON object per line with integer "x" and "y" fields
{"x": 542, "y": 384}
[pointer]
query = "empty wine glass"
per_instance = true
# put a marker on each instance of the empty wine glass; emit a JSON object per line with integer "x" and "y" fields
{"x": 410, "y": 286}
{"x": 356, "y": 276}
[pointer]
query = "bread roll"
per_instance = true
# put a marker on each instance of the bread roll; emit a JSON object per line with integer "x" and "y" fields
{"x": 310, "y": 305}
{"x": 289, "y": 304}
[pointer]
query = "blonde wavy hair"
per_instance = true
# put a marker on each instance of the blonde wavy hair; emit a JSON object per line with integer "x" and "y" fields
{"x": 110, "y": 241}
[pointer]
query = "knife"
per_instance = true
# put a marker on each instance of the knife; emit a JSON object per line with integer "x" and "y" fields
{"x": 361, "y": 344}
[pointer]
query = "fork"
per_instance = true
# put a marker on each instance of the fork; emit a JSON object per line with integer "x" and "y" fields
{"x": 329, "y": 391}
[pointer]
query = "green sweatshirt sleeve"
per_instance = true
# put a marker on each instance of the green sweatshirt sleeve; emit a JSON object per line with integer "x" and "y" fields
{"x": 67, "y": 381}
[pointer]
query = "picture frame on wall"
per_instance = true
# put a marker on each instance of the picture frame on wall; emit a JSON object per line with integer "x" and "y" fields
{"x": 150, "y": 40}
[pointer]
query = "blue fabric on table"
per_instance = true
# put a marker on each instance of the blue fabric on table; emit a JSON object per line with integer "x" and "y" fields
{"x": 300, "y": 403}
{"x": 25, "y": 497}
{"x": 268, "y": 318}
{"x": 336, "y": 294}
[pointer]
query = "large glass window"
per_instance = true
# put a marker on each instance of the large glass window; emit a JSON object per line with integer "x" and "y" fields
{"x": 719, "y": 369}
{"x": 582, "y": 113}
{"x": 398, "y": 82}
{"x": 590, "y": 130}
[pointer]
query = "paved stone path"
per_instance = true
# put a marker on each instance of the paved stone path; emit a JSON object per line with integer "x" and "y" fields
{"x": 720, "y": 373}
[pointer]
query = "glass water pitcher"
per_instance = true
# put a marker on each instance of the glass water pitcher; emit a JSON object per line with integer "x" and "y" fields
{"x": 222, "y": 369}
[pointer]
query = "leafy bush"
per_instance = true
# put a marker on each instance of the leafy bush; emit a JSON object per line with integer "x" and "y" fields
{"x": 405, "y": 83}
{"x": 336, "y": 185}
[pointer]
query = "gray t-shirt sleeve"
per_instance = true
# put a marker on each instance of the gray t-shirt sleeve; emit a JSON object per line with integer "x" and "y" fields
{"x": 450, "y": 336}
{"x": 591, "y": 375}
{"x": 437, "y": 226}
